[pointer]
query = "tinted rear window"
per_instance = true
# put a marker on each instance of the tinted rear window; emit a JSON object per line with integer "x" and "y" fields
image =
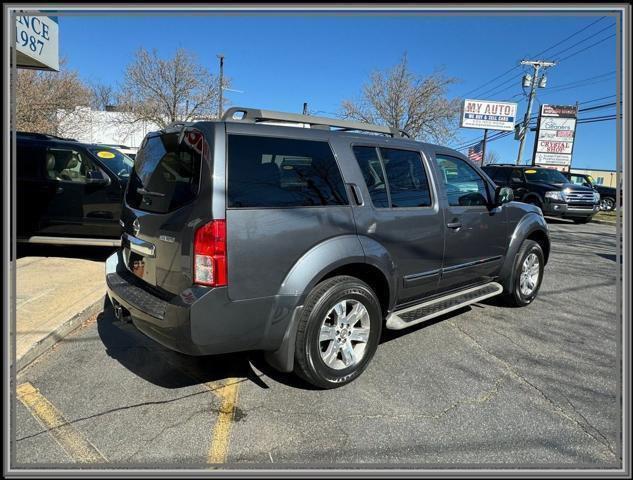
{"x": 166, "y": 172}
{"x": 282, "y": 172}
{"x": 30, "y": 160}
{"x": 408, "y": 184}
{"x": 499, "y": 175}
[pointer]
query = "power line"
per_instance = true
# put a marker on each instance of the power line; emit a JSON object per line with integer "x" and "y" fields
{"x": 537, "y": 55}
{"x": 595, "y": 99}
{"x": 608, "y": 74}
{"x": 490, "y": 81}
{"x": 586, "y": 48}
{"x": 593, "y": 35}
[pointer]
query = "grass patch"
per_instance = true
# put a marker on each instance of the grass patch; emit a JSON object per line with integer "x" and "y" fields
{"x": 606, "y": 216}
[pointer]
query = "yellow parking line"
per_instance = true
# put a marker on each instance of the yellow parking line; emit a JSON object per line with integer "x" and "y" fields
{"x": 226, "y": 391}
{"x": 219, "y": 447}
{"x": 73, "y": 443}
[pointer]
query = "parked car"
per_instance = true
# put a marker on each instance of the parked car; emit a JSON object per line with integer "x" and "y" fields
{"x": 68, "y": 192}
{"x": 548, "y": 189}
{"x": 607, "y": 194}
{"x": 307, "y": 242}
{"x": 124, "y": 149}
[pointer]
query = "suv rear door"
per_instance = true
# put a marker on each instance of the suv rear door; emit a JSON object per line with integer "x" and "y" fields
{"x": 401, "y": 212}
{"x": 168, "y": 197}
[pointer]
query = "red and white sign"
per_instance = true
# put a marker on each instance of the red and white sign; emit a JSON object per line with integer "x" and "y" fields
{"x": 555, "y": 137}
{"x": 488, "y": 114}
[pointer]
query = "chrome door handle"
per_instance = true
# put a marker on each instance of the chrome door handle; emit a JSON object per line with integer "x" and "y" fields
{"x": 454, "y": 225}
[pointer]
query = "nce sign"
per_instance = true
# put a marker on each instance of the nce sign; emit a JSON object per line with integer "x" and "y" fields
{"x": 36, "y": 42}
{"x": 489, "y": 115}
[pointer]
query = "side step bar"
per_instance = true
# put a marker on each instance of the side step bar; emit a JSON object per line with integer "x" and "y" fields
{"x": 421, "y": 312}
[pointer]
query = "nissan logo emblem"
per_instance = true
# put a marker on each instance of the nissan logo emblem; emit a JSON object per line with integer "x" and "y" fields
{"x": 136, "y": 226}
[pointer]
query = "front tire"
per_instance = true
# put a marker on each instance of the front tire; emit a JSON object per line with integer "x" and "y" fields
{"x": 527, "y": 275}
{"x": 338, "y": 332}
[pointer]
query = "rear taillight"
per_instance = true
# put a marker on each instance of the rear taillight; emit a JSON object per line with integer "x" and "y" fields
{"x": 209, "y": 254}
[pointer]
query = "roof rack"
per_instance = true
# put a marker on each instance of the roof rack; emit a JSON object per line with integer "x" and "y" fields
{"x": 255, "y": 115}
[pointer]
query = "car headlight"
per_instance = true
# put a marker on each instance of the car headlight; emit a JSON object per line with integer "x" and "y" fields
{"x": 596, "y": 197}
{"x": 555, "y": 195}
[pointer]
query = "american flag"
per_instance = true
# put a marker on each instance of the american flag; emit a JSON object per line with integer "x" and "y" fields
{"x": 475, "y": 154}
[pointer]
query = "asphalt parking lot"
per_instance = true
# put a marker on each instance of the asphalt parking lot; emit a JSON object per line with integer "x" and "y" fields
{"x": 486, "y": 385}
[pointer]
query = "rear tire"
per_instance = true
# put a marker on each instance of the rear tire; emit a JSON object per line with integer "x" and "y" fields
{"x": 338, "y": 332}
{"x": 527, "y": 275}
{"x": 607, "y": 204}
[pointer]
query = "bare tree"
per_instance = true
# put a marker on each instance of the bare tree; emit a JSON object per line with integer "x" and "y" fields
{"x": 44, "y": 98}
{"x": 102, "y": 96}
{"x": 163, "y": 91}
{"x": 401, "y": 99}
{"x": 491, "y": 157}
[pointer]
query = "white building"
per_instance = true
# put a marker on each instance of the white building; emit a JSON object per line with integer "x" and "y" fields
{"x": 110, "y": 127}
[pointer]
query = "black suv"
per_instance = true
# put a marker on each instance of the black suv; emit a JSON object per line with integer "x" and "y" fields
{"x": 68, "y": 192}
{"x": 306, "y": 242}
{"x": 607, "y": 194}
{"x": 548, "y": 189}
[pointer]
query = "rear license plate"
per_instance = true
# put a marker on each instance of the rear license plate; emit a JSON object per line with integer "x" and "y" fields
{"x": 137, "y": 264}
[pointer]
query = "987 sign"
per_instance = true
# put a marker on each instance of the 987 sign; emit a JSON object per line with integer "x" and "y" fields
{"x": 37, "y": 41}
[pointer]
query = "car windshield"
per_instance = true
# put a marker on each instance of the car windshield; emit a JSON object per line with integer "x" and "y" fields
{"x": 544, "y": 175}
{"x": 113, "y": 159}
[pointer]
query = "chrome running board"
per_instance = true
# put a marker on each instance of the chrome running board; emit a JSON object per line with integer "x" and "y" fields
{"x": 421, "y": 312}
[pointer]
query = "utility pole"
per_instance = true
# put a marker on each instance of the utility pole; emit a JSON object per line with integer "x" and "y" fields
{"x": 532, "y": 82}
{"x": 305, "y": 108}
{"x": 220, "y": 103}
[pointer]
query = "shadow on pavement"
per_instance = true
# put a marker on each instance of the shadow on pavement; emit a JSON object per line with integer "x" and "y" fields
{"x": 97, "y": 254}
{"x": 169, "y": 369}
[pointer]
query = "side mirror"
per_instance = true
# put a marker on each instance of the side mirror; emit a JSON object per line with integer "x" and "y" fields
{"x": 503, "y": 195}
{"x": 96, "y": 177}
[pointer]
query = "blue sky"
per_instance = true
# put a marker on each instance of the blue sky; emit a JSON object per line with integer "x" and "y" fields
{"x": 280, "y": 61}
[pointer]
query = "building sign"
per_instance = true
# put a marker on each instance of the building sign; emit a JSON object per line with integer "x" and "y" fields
{"x": 37, "y": 42}
{"x": 555, "y": 136}
{"x": 489, "y": 115}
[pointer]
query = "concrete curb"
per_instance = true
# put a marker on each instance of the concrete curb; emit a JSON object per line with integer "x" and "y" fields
{"x": 45, "y": 344}
{"x": 603, "y": 222}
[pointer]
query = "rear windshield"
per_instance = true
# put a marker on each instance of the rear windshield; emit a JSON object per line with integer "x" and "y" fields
{"x": 166, "y": 172}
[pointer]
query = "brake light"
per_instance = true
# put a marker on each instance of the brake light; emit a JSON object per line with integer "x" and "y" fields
{"x": 209, "y": 254}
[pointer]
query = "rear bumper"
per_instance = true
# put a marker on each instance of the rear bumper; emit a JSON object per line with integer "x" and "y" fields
{"x": 564, "y": 210}
{"x": 200, "y": 320}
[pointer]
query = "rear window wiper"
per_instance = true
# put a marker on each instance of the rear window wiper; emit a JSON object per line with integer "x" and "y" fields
{"x": 142, "y": 191}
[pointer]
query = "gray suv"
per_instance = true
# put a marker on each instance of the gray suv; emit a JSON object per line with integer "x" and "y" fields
{"x": 249, "y": 233}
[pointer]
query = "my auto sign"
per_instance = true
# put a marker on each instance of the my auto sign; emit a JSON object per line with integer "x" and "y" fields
{"x": 555, "y": 137}
{"x": 488, "y": 115}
